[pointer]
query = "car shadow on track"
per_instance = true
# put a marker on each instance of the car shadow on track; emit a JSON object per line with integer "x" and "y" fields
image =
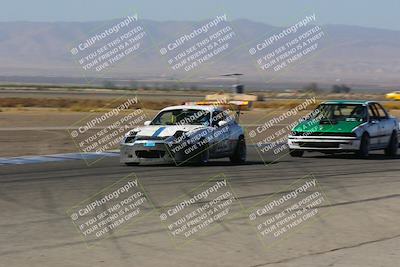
{"x": 227, "y": 163}
{"x": 354, "y": 156}
{"x": 208, "y": 164}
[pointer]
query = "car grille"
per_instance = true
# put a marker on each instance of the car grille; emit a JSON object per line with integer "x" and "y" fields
{"x": 324, "y": 134}
{"x": 132, "y": 139}
{"x": 150, "y": 154}
{"x": 318, "y": 144}
{"x": 138, "y": 138}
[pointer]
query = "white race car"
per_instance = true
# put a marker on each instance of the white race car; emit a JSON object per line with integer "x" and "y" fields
{"x": 181, "y": 134}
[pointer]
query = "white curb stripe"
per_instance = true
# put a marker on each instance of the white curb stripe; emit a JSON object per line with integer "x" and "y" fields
{"x": 55, "y": 157}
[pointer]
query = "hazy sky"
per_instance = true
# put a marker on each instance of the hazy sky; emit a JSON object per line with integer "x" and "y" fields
{"x": 379, "y": 14}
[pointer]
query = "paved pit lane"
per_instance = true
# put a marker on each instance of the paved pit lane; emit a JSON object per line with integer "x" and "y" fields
{"x": 357, "y": 222}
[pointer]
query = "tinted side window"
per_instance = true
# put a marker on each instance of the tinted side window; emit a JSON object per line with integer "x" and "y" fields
{"x": 217, "y": 116}
{"x": 372, "y": 113}
{"x": 381, "y": 112}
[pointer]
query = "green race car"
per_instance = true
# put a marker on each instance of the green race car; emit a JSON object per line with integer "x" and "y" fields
{"x": 346, "y": 126}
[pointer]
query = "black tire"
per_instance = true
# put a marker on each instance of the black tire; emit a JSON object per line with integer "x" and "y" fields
{"x": 240, "y": 153}
{"x": 391, "y": 149}
{"x": 363, "y": 152}
{"x": 203, "y": 156}
{"x": 296, "y": 153}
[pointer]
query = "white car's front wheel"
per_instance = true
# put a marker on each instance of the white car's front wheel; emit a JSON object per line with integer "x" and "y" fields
{"x": 296, "y": 153}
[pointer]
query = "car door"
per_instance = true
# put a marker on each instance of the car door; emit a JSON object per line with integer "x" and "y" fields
{"x": 373, "y": 127}
{"x": 221, "y": 134}
{"x": 385, "y": 127}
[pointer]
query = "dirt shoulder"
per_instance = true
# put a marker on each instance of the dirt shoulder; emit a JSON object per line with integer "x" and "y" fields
{"x": 41, "y": 131}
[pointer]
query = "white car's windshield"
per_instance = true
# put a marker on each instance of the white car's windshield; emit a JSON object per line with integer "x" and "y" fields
{"x": 182, "y": 117}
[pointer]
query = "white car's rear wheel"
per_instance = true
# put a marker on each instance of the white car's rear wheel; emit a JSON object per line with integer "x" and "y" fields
{"x": 240, "y": 153}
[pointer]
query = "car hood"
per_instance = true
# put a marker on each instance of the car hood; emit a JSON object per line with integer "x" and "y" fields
{"x": 164, "y": 130}
{"x": 327, "y": 126}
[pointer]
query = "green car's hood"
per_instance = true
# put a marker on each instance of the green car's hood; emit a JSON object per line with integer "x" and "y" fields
{"x": 327, "y": 126}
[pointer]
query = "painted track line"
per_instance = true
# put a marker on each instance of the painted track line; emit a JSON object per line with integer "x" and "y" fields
{"x": 55, "y": 157}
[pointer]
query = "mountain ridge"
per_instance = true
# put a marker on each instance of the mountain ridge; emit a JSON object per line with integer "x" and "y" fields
{"x": 349, "y": 54}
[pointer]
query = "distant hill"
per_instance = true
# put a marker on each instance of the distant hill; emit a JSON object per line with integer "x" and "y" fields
{"x": 346, "y": 54}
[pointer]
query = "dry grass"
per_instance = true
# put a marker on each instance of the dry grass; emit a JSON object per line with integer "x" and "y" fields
{"x": 82, "y": 105}
{"x": 78, "y": 105}
{"x": 392, "y": 105}
{"x": 291, "y": 103}
{"x": 282, "y": 104}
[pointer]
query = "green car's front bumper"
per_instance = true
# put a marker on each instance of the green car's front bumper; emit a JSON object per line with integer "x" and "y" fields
{"x": 323, "y": 143}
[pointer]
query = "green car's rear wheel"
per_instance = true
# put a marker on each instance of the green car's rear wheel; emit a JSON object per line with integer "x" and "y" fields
{"x": 391, "y": 149}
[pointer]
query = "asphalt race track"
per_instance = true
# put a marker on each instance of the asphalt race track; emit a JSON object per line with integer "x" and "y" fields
{"x": 358, "y": 226}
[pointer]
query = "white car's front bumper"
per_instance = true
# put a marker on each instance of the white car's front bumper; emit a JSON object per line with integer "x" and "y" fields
{"x": 323, "y": 143}
{"x": 138, "y": 152}
{"x": 158, "y": 153}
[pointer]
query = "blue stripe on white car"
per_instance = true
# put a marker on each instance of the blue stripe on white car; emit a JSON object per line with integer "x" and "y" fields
{"x": 158, "y": 132}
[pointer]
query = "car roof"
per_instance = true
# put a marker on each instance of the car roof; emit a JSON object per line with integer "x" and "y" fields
{"x": 356, "y": 102}
{"x": 197, "y": 107}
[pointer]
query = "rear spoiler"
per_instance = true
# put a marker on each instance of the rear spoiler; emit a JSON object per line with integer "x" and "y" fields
{"x": 233, "y": 104}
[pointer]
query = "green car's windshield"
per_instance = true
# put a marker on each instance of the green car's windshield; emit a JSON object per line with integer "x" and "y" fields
{"x": 182, "y": 117}
{"x": 342, "y": 112}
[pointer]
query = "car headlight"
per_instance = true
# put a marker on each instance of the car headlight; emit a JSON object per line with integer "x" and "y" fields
{"x": 179, "y": 134}
{"x": 132, "y": 133}
{"x": 130, "y": 139}
{"x": 130, "y": 136}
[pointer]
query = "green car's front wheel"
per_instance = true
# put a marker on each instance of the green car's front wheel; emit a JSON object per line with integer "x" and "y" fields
{"x": 363, "y": 152}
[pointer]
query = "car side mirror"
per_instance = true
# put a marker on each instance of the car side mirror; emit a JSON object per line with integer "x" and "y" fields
{"x": 147, "y": 123}
{"x": 222, "y": 123}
